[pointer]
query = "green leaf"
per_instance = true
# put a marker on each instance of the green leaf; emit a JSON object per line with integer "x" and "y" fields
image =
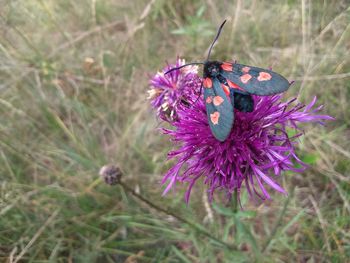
{"x": 223, "y": 210}
{"x": 310, "y": 158}
{"x": 200, "y": 11}
{"x": 180, "y": 255}
{"x": 246, "y": 214}
{"x": 180, "y": 31}
{"x": 108, "y": 60}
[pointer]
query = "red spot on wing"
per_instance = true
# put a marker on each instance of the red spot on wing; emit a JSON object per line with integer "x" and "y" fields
{"x": 263, "y": 76}
{"x": 218, "y": 100}
{"x": 209, "y": 99}
{"x": 208, "y": 83}
{"x": 233, "y": 85}
{"x": 245, "y": 69}
{"x": 245, "y": 78}
{"x": 214, "y": 117}
{"x": 227, "y": 66}
{"x": 226, "y": 89}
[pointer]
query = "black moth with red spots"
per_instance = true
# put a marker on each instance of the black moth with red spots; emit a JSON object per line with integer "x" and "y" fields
{"x": 229, "y": 85}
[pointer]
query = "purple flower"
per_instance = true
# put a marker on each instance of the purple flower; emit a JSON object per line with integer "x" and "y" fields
{"x": 169, "y": 91}
{"x": 255, "y": 154}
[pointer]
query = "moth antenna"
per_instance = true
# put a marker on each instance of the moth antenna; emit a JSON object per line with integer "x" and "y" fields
{"x": 194, "y": 63}
{"x": 216, "y": 38}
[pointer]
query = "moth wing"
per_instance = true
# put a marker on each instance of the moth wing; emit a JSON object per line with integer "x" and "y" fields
{"x": 255, "y": 80}
{"x": 219, "y": 110}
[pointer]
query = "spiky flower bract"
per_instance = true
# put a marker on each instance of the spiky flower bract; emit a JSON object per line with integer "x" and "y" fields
{"x": 170, "y": 90}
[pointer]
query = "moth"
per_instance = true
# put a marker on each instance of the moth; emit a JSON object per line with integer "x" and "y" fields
{"x": 229, "y": 86}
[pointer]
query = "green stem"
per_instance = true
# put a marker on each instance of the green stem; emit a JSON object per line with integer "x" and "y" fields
{"x": 235, "y": 201}
{"x": 179, "y": 218}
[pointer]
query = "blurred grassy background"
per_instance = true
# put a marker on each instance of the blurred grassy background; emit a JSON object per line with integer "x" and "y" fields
{"x": 73, "y": 82}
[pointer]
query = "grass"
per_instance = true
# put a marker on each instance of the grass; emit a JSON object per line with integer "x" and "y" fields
{"x": 73, "y": 81}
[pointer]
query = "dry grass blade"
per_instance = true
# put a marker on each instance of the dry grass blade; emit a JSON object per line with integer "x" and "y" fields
{"x": 36, "y": 236}
{"x": 323, "y": 223}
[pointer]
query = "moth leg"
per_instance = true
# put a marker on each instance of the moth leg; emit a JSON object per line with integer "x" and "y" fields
{"x": 200, "y": 92}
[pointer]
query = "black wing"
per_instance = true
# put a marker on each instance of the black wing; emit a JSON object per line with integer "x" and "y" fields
{"x": 219, "y": 109}
{"x": 254, "y": 80}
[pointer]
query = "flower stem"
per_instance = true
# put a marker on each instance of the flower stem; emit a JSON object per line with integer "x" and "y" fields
{"x": 235, "y": 201}
{"x": 179, "y": 218}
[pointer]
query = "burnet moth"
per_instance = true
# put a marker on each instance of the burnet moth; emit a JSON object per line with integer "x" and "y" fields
{"x": 229, "y": 85}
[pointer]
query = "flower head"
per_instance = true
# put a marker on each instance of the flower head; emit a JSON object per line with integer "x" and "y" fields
{"x": 168, "y": 91}
{"x": 111, "y": 174}
{"x": 256, "y": 152}
{"x": 259, "y": 148}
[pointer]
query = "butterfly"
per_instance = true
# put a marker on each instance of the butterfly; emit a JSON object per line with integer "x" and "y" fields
{"x": 229, "y": 86}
